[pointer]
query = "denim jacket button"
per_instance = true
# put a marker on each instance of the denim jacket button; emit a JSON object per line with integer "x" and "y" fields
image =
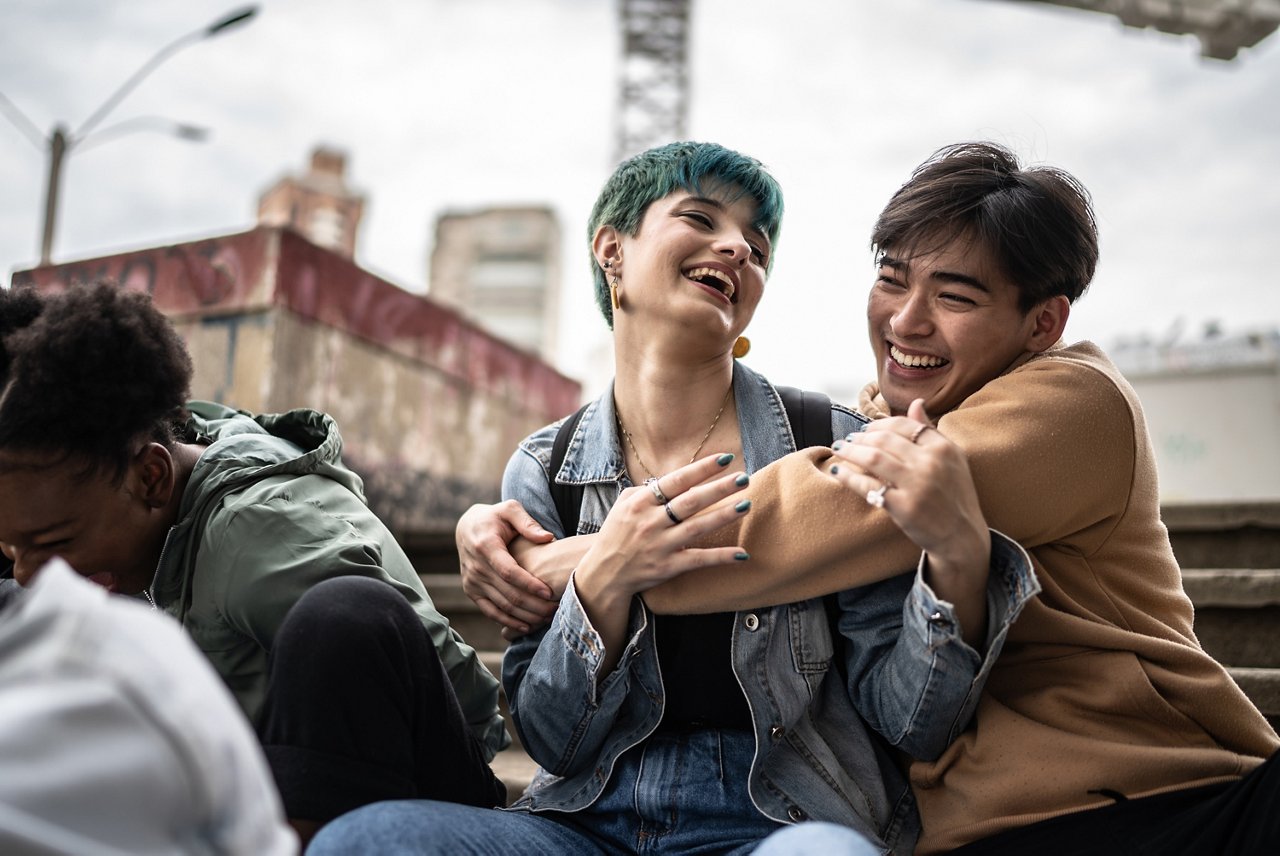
{"x": 752, "y": 621}
{"x": 937, "y": 619}
{"x": 796, "y": 814}
{"x": 777, "y": 731}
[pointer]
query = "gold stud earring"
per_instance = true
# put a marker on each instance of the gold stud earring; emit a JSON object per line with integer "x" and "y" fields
{"x": 741, "y": 347}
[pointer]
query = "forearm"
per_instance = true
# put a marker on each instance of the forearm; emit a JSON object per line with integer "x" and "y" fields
{"x": 807, "y": 536}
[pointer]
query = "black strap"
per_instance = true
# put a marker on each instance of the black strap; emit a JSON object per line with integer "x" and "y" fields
{"x": 567, "y": 497}
{"x": 808, "y": 412}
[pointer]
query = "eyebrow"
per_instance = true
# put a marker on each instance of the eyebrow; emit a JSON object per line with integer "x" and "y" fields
{"x": 943, "y": 275}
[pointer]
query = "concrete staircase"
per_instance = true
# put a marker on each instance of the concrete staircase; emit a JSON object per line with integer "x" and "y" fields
{"x": 1230, "y": 558}
{"x": 1230, "y": 555}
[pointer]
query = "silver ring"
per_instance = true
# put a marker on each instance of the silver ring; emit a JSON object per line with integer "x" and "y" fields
{"x": 671, "y": 514}
{"x": 920, "y": 429}
{"x": 652, "y": 482}
{"x": 876, "y": 497}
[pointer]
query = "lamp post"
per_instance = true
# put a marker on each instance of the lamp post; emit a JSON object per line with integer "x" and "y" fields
{"x": 60, "y": 142}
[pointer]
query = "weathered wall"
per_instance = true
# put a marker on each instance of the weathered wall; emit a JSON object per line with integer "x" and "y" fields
{"x": 430, "y": 405}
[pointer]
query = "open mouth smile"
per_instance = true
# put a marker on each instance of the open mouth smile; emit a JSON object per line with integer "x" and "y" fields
{"x": 714, "y": 278}
{"x": 916, "y": 361}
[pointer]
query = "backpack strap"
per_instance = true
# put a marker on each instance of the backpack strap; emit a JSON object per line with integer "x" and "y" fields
{"x": 809, "y": 414}
{"x": 567, "y": 497}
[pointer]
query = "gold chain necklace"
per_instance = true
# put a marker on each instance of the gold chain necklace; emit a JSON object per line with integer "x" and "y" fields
{"x": 639, "y": 460}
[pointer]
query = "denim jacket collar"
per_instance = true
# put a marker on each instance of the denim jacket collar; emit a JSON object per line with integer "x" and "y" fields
{"x": 595, "y": 453}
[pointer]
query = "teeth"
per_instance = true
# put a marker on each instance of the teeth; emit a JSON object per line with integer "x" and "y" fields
{"x": 916, "y": 361}
{"x": 718, "y": 275}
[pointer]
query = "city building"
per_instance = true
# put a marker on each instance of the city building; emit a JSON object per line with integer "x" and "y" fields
{"x": 318, "y": 205}
{"x": 1213, "y": 409}
{"x": 501, "y": 268}
{"x": 429, "y": 404}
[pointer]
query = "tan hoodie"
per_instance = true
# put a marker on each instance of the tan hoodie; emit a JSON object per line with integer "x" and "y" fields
{"x": 1102, "y": 683}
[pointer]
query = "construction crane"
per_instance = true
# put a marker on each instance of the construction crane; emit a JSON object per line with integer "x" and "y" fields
{"x": 1223, "y": 26}
{"x": 653, "y": 93}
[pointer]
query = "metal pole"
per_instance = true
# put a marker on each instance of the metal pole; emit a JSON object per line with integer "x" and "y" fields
{"x": 57, "y": 151}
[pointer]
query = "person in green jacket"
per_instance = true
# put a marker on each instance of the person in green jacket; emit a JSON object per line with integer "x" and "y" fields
{"x": 251, "y": 532}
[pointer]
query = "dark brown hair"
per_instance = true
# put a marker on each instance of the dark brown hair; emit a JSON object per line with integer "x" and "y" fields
{"x": 1036, "y": 221}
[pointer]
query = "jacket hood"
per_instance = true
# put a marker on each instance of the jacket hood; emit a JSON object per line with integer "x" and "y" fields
{"x": 242, "y": 448}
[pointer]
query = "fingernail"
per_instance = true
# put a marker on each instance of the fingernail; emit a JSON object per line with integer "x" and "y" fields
{"x": 724, "y": 459}
{"x": 742, "y": 506}
{"x": 741, "y": 557}
{"x": 834, "y": 469}
{"x": 741, "y": 480}
{"x": 837, "y": 445}
{"x": 849, "y": 436}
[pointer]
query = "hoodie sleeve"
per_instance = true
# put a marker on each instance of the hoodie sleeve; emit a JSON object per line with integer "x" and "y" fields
{"x": 1046, "y": 443}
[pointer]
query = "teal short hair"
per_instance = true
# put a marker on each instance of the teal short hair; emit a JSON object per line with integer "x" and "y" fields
{"x": 653, "y": 174}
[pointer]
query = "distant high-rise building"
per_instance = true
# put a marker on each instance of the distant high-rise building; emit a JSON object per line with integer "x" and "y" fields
{"x": 500, "y": 267}
{"x": 318, "y": 205}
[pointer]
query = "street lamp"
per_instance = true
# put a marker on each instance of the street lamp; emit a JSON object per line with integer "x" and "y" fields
{"x": 60, "y": 142}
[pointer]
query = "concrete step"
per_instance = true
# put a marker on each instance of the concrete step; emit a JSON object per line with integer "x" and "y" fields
{"x": 465, "y": 617}
{"x": 1224, "y": 535}
{"x": 1237, "y": 614}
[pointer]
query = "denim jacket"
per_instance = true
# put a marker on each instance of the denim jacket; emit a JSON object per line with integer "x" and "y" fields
{"x": 908, "y": 670}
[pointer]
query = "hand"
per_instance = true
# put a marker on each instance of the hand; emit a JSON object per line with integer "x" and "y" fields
{"x": 640, "y": 544}
{"x": 932, "y": 498}
{"x": 644, "y": 542}
{"x": 503, "y": 590}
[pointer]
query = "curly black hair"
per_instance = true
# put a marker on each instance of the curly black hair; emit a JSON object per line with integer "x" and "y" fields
{"x": 89, "y": 373}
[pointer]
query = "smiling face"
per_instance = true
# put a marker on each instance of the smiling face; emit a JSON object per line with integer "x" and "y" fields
{"x": 105, "y": 531}
{"x": 696, "y": 259}
{"x": 946, "y": 321}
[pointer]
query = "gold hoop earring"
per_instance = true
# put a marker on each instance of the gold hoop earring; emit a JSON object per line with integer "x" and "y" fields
{"x": 741, "y": 347}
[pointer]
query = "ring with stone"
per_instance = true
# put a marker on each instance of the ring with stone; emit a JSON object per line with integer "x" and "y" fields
{"x": 876, "y": 497}
{"x": 652, "y": 482}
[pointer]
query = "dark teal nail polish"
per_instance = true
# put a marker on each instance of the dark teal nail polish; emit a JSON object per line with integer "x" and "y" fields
{"x": 724, "y": 459}
{"x": 741, "y": 480}
{"x": 848, "y": 436}
{"x": 742, "y": 506}
{"x": 741, "y": 557}
{"x": 837, "y": 445}
{"x": 834, "y": 469}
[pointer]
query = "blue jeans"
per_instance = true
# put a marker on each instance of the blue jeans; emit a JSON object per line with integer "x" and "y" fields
{"x": 675, "y": 793}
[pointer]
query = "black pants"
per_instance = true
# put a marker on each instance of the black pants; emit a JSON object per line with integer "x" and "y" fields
{"x": 359, "y": 708}
{"x": 1239, "y": 818}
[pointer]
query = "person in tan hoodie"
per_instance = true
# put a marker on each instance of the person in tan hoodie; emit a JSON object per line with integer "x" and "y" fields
{"x": 1104, "y": 727}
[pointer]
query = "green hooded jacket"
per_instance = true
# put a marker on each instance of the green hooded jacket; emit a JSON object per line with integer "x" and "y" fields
{"x": 269, "y": 512}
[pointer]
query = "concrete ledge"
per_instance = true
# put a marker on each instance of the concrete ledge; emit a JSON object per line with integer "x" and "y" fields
{"x": 1244, "y": 587}
{"x": 1220, "y": 515}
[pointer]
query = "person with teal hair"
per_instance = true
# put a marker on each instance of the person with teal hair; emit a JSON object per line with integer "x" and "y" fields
{"x": 694, "y": 733}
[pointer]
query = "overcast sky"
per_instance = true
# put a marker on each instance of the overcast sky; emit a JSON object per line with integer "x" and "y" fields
{"x": 465, "y": 103}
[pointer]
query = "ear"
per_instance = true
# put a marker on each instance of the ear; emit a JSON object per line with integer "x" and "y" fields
{"x": 1049, "y": 319}
{"x": 155, "y": 475}
{"x": 607, "y": 245}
